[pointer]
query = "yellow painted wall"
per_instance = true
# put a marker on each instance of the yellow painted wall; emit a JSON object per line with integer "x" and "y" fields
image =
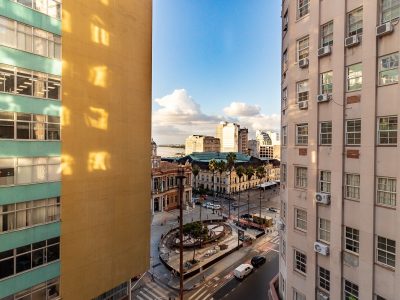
{"x": 106, "y": 146}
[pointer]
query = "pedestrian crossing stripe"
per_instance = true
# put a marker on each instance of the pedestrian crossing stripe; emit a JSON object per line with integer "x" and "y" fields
{"x": 153, "y": 291}
{"x": 274, "y": 240}
{"x": 201, "y": 294}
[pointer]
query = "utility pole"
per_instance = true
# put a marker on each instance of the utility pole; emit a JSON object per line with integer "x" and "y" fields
{"x": 181, "y": 176}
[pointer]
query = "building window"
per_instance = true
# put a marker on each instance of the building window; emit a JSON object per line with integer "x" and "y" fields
{"x": 284, "y": 61}
{"x": 326, "y": 83}
{"x": 325, "y": 182}
{"x": 352, "y": 239}
{"x": 386, "y": 191}
{"x": 27, "y": 257}
{"x": 327, "y": 34}
{"x": 355, "y": 22}
{"x": 352, "y": 186}
{"x": 324, "y": 230}
{"x": 302, "y": 91}
{"x": 303, "y": 8}
{"x": 325, "y": 133}
{"x": 28, "y": 170}
{"x": 282, "y": 286}
{"x": 390, "y": 10}
{"x": 302, "y": 48}
{"x": 350, "y": 290}
{"x": 301, "y": 219}
{"x": 354, "y": 77}
{"x": 283, "y": 173}
{"x": 283, "y": 209}
{"x": 26, "y": 214}
{"x": 387, "y": 130}
{"x": 302, "y": 134}
{"x": 29, "y": 126}
{"x": 298, "y": 296}
{"x": 27, "y": 38}
{"x": 301, "y": 177}
{"x": 389, "y": 69}
{"x": 119, "y": 292}
{"x": 283, "y": 248}
{"x": 284, "y": 136}
{"x": 386, "y": 252}
{"x": 353, "y": 132}
{"x": 30, "y": 83}
{"x": 300, "y": 262}
{"x": 284, "y": 98}
{"x": 324, "y": 278}
{"x": 48, "y": 290}
{"x": 48, "y": 7}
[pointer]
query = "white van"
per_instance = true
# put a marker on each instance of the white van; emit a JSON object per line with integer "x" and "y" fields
{"x": 242, "y": 271}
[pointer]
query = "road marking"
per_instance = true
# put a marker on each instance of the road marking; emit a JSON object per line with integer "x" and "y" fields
{"x": 153, "y": 294}
{"x": 198, "y": 291}
{"x": 202, "y": 296}
{"x": 144, "y": 295}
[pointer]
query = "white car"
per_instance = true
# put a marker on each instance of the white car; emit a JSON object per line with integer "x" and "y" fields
{"x": 242, "y": 271}
{"x": 217, "y": 206}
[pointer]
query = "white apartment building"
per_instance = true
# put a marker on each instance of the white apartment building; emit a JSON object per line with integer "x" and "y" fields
{"x": 268, "y": 145}
{"x": 201, "y": 143}
{"x": 340, "y": 104}
{"x": 228, "y": 134}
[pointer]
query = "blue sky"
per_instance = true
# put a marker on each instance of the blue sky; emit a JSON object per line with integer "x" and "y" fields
{"x": 214, "y": 60}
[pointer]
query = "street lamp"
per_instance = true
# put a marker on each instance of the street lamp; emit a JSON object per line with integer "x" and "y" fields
{"x": 181, "y": 176}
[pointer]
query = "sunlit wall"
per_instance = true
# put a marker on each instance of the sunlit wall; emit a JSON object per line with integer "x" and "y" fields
{"x": 106, "y": 142}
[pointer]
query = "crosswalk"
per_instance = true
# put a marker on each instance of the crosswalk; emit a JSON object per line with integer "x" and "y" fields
{"x": 202, "y": 294}
{"x": 154, "y": 291}
{"x": 275, "y": 240}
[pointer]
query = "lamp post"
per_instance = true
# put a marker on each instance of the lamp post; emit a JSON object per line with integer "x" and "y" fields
{"x": 181, "y": 176}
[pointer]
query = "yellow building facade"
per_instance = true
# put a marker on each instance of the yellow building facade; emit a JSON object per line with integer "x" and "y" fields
{"x": 106, "y": 125}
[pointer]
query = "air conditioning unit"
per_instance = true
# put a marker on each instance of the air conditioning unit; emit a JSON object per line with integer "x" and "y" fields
{"x": 303, "y": 105}
{"x": 323, "y": 51}
{"x": 322, "y": 296}
{"x": 323, "y": 98}
{"x": 323, "y": 198}
{"x": 280, "y": 225}
{"x": 321, "y": 248}
{"x": 384, "y": 29}
{"x": 303, "y": 63}
{"x": 352, "y": 41}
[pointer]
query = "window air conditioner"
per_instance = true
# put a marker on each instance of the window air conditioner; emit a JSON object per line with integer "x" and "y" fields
{"x": 303, "y": 63}
{"x": 303, "y": 105}
{"x": 321, "y": 248}
{"x": 352, "y": 41}
{"x": 322, "y": 296}
{"x": 323, "y": 198}
{"x": 384, "y": 29}
{"x": 323, "y": 98}
{"x": 323, "y": 51}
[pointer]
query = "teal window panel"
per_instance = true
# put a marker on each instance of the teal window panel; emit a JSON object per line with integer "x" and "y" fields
{"x": 22, "y": 193}
{"x": 26, "y": 104}
{"x": 15, "y": 239}
{"x": 16, "y": 11}
{"x": 22, "y": 59}
{"x": 12, "y": 148}
{"x": 28, "y": 279}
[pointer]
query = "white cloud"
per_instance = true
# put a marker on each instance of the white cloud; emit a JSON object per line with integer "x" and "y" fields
{"x": 241, "y": 109}
{"x": 179, "y": 116}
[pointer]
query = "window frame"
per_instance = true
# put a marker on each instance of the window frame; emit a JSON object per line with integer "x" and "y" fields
{"x": 352, "y": 77}
{"x": 302, "y": 9}
{"x": 300, "y": 181}
{"x": 304, "y": 94}
{"x": 388, "y": 131}
{"x": 352, "y": 287}
{"x": 325, "y": 279}
{"x": 390, "y": 9}
{"x": 326, "y": 82}
{"x": 326, "y": 33}
{"x": 386, "y": 192}
{"x": 324, "y": 182}
{"x": 324, "y": 228}
{"x": 352, "y": 240}
{"x": 300, "y": 220}
{"x": 301, "y": 264}
{"x": 302, "y": 137}
{"x": 358, "y": 29}
{"x": 304, "y": 52}
{"x": 353, "y": 136}
{"x": 352, "y": 191}
{"x": 394, "y": 78}
{"x": 384, "y": 252}
{"x": 325, "y": 138}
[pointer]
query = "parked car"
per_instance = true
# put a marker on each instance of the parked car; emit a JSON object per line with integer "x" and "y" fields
{"x": 206, "y": 204}
{"x": 234, "y": 205}
{"x": 246, "y": 216}
{"x": 245, "y": 238}
{"x": 242, "y": 271}
{"x": 217, "y": 206}
{"x": 272, "y": 209}
{"x": 258, "y": 260}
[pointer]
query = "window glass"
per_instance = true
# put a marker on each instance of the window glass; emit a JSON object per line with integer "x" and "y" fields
{"x": 302, "y": 91}
{"x": 303, "y": 8}
{"x": 354, "y": 77}
{"x": 54, "y": 88}
{"x": 325, "y": 182}
{"x": 39, "y": 85}
{"x": 325, "y": 134}
{"x": 326, "y": 82}
{"x": 40, "y": 42}
{"x": 353, "y": 186}
{"x": 386, "y": 191}
{"x": 40, "y": 5}
{"x": 389, "y": 69}
{"x": 353, "y": 132}
{"x": 302, "y": 48}
{"x": 352, "y": 239}
{"x": 6, "y": 125}
{"x": 324, "y": 232}
{"x": 54, "y": 9}
{"x": 301, "y": 177}
{"x": 300, "y": 261}
{"x": 350, "y": 290}
{"x": 302, "y": 134}
{"x": 301, "y": 219}
{"x": 387, "y": 130}
{"x": 6, "y": 79}
{"x": 24, "y": 37}
{"x": 390, "y": 10}
{"x": 26, "y": 2}
{"x": 6, "y": 171}
{"x": 386, "y": 251}
{"x": 24, "y": 82}
{"x": 355, "y": 22}
{"x": 7, "y": 32}
{"x": 327, "y": 34}
{"x": 324, "y": 278}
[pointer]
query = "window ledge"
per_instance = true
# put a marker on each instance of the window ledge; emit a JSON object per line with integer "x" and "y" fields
{"x": 51, "y": 58}
{"x": 385, "y": 206}
{"x": 389, "y": 268}
{"x": 354, "y": 200}
{"x": 387, "y": 145}
{"x": 24, "y": 140}
{"x": 389, "y": 84}
{"x": 300, "y": 231}
{"x": 34, "y": 97}
{"x": 301, "y": 274}
{"x": 29, "y": 227}
{"x": 25, "y": 184}
{"x": 301, "y": 18}
{"x": 350, "y": 252}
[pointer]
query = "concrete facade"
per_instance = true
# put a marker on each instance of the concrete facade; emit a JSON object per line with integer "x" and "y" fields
{"x": 344, "y": 150}
{"x": 202, "y": 143}
{"x": 228, "y": 134}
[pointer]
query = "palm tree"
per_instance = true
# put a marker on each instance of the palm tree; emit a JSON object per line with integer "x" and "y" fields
{"x": 212, "y": 166}
{"x": 239, "y": 172}
{"x": 260, "y": 173}
{"x": 230, "y": 165}
{"x": 221, "y": 167}
{"x": 249, "y": 173}
{"x": 195, "y": 171}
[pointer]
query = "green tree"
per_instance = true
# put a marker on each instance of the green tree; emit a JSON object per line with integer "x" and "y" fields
{"x": 221, "y": 167}
{"x": 249, "y": 171}
{"x": 260, "y": 173}
{"x": 240, "y": 170}
{"x": 196, "y": 231}
{"x": 195, "y": 171}
{"x": 212, "y": 166}
{"x": 230, "y": 165}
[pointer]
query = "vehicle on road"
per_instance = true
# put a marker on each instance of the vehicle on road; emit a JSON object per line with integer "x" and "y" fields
{"x": 206, "y": 204}
{"x": 242, "y": 271}
{"x": 245, "y": 238}
{"x": 258, "y": 260}
{"x": 234, "y": 205}
{"x": 246, "y": 216}
{"x": 272, "y": 209}
{"x": 217, "y": 206}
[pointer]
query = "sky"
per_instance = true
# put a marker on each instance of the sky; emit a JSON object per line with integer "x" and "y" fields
{"x": 214, "y": 60}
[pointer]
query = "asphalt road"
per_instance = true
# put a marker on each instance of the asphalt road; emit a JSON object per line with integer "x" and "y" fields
{"x": 254, "y": 286}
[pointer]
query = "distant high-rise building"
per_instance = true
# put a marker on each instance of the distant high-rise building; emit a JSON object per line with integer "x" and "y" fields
{"x": 101, "y": 194}
{"x": 201, "y": 143}
{"x": 228, "y": 134}
{"x": 253, "y": 148}
{"x": 268, "y": 144}
{"x": 243, "y": 141}
{"x": 340, "y": 152}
